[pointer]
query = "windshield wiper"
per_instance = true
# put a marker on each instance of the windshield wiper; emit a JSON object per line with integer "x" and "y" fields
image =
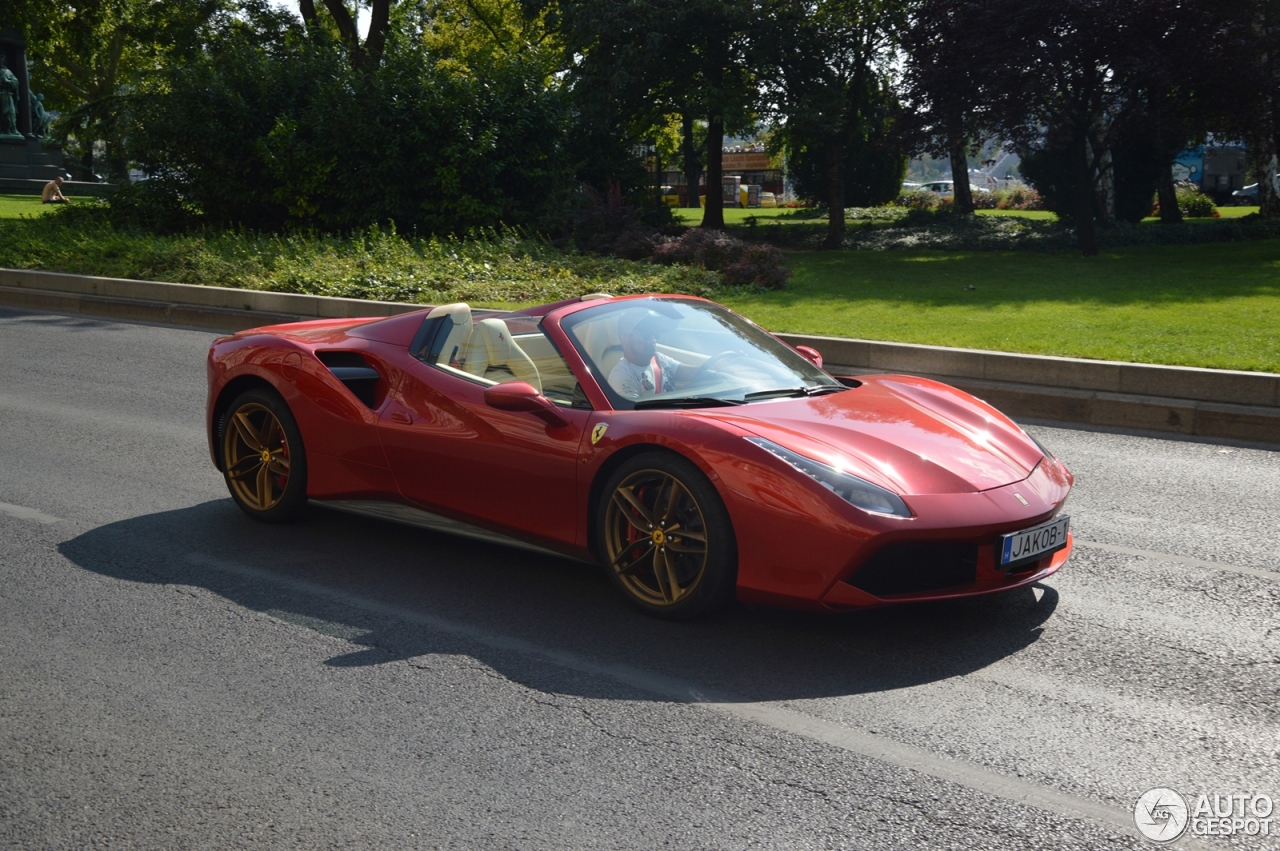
{"x": 783, "y": 392}
{"x": 823, "y": 389}
{"x": 687, "y": 402}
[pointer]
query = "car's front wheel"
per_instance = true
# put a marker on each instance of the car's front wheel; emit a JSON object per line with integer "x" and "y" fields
{"x": 665, "y": 537}
{"x": 262, "y": 457}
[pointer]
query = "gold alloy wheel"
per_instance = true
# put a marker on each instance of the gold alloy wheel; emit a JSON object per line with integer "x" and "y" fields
{"x": 655, "y": 537}
{"x": 256, "y": 453}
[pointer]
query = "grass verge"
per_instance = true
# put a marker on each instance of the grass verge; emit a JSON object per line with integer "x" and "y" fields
{"x": 1214, "y": 305}
{"x": 1211, "y": 305}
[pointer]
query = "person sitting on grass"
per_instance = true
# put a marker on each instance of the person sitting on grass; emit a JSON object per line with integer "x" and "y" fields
{"x": 53, "y": 193}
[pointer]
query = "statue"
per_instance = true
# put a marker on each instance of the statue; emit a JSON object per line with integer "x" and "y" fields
{"x": 40, "y": 118}
{"x": 8, "y": 101}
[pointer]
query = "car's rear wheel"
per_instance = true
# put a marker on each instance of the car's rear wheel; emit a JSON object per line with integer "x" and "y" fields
{"x": 665, "y": 537}
{"x": 262, "y": 457}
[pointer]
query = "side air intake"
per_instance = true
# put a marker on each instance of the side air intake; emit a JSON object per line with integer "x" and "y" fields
{"x": 355, "y": 373}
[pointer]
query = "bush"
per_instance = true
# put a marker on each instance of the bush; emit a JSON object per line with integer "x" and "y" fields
{"x": 920, "y": 199}
{"x": 740, "y": 263}
{"x": 759, "y": 265}
{"x": 1194, "y": 204}
{"x": 1018, "y": 198}
{"x": 374, "y": 263}
{"x": 615, "y": 224}
{"x": 984, "y": 200}
{"x": 292, "y": 138}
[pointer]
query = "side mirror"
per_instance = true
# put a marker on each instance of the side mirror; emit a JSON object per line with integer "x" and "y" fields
{"x": 521, "y": 396}
{"x": 810, "y": 354}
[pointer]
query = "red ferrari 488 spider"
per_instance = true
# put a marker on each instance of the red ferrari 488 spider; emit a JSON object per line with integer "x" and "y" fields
{"x": 689, "y": 452}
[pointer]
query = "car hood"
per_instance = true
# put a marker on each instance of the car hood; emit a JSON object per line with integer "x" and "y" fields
{"x": 914, "y": 435}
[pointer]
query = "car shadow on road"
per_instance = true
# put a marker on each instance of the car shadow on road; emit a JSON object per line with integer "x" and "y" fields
{"x": 400, "y": 593}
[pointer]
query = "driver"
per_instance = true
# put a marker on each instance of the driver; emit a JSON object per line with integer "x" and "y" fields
{"x": 643, "y": 371}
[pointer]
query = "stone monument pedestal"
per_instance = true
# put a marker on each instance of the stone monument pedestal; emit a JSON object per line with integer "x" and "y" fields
{"x": 26, "y": 162}
{"x": 29, "y": 159}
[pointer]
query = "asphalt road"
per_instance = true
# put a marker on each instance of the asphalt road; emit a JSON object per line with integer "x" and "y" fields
{"x": 176, "y": 676}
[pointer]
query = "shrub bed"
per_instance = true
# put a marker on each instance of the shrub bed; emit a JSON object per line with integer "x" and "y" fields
{"x": 376, "y": 264}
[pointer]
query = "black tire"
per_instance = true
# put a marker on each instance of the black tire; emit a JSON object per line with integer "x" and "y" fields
{"x": 263, "y": 460}
{"x": 667, "y": 574}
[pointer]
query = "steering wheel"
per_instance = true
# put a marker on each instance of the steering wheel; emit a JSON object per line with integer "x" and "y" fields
{"x": 706, "y": 365}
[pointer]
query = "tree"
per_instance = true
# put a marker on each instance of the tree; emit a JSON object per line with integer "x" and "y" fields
{"x": 1073, "y": 83}
{"x": 875, "y": 160}
{"x": 463, "y": 33}
{"x": 363, "y": 55}
{"x": 87, "y": 54}
{"x": 943, "y": 91}
{"x": 826, "y": 79}
{"x": 652, "y": 58}
{"x": 1244, "y": 73}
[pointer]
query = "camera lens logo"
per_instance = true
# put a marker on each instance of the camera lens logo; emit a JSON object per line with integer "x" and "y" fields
{"x": 1161, "y": 815}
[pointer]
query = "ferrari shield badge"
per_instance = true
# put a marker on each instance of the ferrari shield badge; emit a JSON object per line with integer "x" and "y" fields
{"x": 598, "y": 432}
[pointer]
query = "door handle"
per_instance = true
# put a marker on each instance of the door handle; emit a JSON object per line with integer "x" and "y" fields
{"x": 401, "y": 418}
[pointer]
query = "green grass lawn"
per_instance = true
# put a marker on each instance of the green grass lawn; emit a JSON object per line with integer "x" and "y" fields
{"x": 738, "y": 215}
{"x": 1215, "y": 305}
{"x": 1021, "y": 214}
{"x": 784, "y": 215}
{"x": 13, "y": 206}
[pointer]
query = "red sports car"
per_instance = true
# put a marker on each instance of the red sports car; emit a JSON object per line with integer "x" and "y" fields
{"x": 686, "y": 450}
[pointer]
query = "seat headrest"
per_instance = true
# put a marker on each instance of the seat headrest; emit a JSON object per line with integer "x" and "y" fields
{"x": 496, "y": 339}
{"x": 459, "y": 312}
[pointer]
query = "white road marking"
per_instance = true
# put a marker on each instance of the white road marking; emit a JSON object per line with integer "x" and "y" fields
{"x": 846, "y": 738}
{"x": 1212, "y": 565}
{"x": 23, "y": 513}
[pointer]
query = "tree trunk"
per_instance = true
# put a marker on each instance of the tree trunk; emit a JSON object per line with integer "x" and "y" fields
{"x": 692, "y": 162}
{"x": 1106, "y": 188}
{"x": 1086, "y": 227}
{"x": 835, "y": 191}
{"x": 713, "y": 217}
{"x": 86, "y": 159}
{"x": 1262, "y": 154}
{"x": 1169, "y": 212}
{"x": 1261, "y": 147}
{"x": 307, "y": 8}
{"x": 117, "y": 162}
{"x": 962, "y": 195}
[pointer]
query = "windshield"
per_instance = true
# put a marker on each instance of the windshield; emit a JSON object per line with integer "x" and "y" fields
{"x": 649, "y": 353}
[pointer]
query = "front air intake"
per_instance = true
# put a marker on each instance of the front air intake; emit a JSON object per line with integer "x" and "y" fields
{"x": 918, "y": 567}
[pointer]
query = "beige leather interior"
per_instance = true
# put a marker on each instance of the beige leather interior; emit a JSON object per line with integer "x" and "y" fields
{"x": 491, "y": 353}
{"x": 456, "y": 341}
{"x": 557, "y": 381}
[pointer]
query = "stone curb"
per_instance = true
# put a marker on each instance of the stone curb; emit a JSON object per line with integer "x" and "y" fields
{"x": 1200, "y": 402}
{"x": 196, "y": 295}
{"x": 1205, "y": 385}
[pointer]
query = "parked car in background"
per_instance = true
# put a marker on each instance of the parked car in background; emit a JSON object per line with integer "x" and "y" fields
{"x": 1248, "y": 196}
{"x": 768, "y": 199}
{"x": 946, "y": 188}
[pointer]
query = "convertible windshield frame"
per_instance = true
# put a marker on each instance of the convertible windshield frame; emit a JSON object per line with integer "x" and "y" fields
{"x": 692, "y": 332}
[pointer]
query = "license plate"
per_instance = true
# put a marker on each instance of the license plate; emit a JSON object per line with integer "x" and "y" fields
{"x": 1033, "y": 543}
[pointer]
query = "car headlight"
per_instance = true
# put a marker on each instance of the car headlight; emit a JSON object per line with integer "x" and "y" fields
{"x": 1045, "y": 452}
{"x": 850, "y": 488}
